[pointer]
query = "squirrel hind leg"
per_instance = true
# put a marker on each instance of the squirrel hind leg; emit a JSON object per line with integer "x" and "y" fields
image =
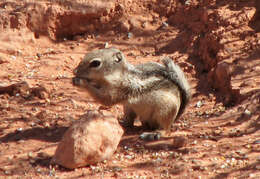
{"x": 160, "y": 127}
{"x": 150, "y": 125}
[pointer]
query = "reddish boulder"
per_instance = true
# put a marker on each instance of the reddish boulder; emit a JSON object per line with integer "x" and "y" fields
{"x": 90, "y": 140}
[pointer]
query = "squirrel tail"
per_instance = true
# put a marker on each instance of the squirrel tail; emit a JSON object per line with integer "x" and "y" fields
{"x": 176, "y": 75}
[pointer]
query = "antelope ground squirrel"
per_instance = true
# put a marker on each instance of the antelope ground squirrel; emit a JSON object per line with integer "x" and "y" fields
{"x": 156, "y": 93}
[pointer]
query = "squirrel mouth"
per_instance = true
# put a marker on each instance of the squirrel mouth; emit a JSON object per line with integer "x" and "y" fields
{"x": 77, "y": 81}
{"x": 80, "y": 81}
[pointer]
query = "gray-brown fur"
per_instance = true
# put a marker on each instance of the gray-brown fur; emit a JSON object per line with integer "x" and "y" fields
{"x": 156, "y": 93}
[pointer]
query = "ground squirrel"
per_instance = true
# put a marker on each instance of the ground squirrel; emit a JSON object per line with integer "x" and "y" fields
{"x": 156, "y": 93}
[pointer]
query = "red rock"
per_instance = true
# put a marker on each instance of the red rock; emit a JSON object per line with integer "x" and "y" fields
{"x": 90, "y": 140}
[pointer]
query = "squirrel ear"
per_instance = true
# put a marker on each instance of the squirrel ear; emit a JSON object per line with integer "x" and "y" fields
{"x": 119, "y": 57}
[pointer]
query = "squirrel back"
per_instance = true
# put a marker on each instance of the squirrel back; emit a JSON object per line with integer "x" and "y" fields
{"x": 172, "y": 72}
{"x": 176, "y": 75}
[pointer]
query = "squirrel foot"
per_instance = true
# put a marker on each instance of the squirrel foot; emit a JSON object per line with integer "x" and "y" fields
{"x": 150, "y": 136}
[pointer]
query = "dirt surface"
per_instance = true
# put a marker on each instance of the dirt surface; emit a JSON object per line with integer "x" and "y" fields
{"x": 217, "y": 44}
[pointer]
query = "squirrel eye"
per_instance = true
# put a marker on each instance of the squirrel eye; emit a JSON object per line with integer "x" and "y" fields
{"x": 94, "y": 64}
{"x": 119, "y": 57}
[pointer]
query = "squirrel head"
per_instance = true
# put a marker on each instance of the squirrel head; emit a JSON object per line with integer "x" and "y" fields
{"x": 100, "y": 69}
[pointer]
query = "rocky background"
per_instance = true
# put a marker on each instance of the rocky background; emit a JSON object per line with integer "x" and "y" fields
{"x": 216, "y": 42}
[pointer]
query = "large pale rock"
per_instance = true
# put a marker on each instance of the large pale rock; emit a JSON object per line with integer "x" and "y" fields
{"x": 92, "y": 139}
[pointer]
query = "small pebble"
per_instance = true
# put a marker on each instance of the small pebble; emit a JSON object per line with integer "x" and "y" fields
{"x": 247, "y": 112}
{"x": 187, "y": 2}
{"x": 144, "y": 25}
{"x": 51, "y": 173}
{"x": 251, "y": 175}
{"x": 32, "y": 124}
{"x": 46, "y": 124}
{"x": 106, "y": 45}
{"x": 129, "y": 35}
{"x": 21, "y": 141}
{"x": 257, "y": 142}
{"x": 38, "y": 55}
{"x": 10, "y": 157}
{"x": 199, "y": 104}
{"x": 30, "y": 154}
{"x": 13, "y": 57}
{"x": 223, "y": 166}
{"x": 32, "y": 161}
{"x": 165, "y": 24}
{"x": 7, "y": 172}
{"x": 129, "y": 157}
{"x": 194, "y": 142}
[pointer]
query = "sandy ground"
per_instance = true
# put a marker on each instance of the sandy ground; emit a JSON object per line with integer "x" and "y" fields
{"x": 40, "y": 44}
